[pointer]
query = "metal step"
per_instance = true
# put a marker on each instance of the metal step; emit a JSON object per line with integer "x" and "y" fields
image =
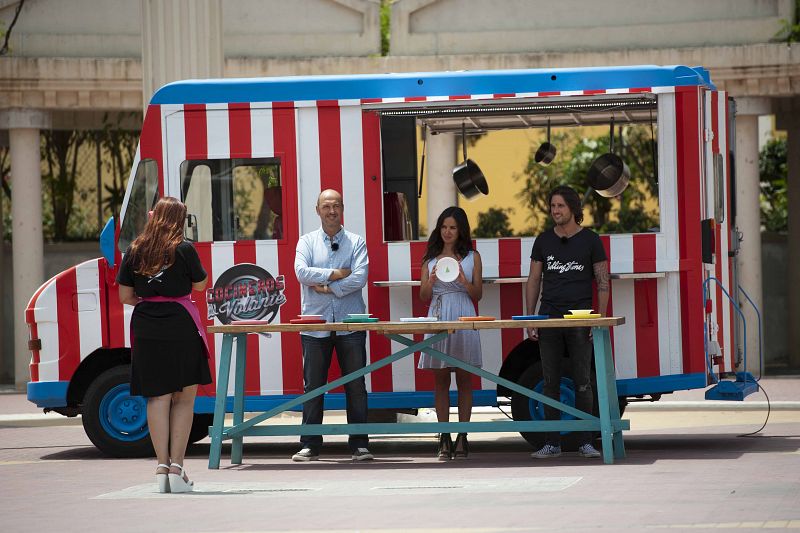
{"x": 735, "y": 391}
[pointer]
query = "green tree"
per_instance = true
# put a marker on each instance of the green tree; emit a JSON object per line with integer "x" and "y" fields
{"x": 773, "y": 174}
{"x": 386, "y": 18}
{"x": 493, "y": 223}
{"x": 634, "y": 144}
{"x": 60, "y": 153}
{"x": 120, "y": 146}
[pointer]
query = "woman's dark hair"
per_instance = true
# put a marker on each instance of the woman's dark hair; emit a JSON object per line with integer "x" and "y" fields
{"x": 155, "y": 247}
{"x": 571, "y": 198}
{"x": 463, "y": 244}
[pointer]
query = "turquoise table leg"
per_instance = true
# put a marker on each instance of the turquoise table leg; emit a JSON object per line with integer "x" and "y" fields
{"x": 219, "y": 403}
{"x": 238, "y": 397}
{"x": 606, "y": 391}
{"x": 611, "y": 386}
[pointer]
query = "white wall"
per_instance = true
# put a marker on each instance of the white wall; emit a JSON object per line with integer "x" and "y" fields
{"x": 251, "y": 28}
{"x": 425, "y": 27}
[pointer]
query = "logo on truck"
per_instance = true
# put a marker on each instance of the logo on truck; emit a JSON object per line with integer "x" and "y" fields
{"x": 245, "y": 292}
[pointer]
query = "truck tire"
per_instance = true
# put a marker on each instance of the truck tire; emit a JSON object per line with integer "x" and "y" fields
{"x": 200, "y": 425}
{"x": 524, "y": 408}
{"x": 115, "y": 421}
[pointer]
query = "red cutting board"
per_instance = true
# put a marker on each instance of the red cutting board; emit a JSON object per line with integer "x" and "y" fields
{"x": 307, "y": 321}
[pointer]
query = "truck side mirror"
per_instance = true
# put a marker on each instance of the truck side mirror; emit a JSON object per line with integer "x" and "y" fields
{"x": 107, "y": 244}
{"x": 191, "y": 225}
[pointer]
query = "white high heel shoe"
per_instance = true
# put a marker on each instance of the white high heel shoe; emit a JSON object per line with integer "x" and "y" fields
{"x": 177, "y": 483}
{"x": 162, "y": 480}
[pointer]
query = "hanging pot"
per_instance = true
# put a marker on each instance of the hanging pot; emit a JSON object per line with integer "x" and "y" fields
{"x": 609, "y": 175}
{"x": 468, "y": 176}
{"x": 546, "y": 152}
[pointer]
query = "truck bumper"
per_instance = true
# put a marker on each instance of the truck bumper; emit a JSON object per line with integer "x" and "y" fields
{"x": 48, "y": 393}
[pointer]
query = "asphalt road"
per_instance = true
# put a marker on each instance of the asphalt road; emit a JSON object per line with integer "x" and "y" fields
{"x": 686, "y": 469}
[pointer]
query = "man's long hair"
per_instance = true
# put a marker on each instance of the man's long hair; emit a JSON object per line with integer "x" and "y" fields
{"x": 154, "y": 249}
{"x": 463, "y": 244}
{"x": 571, "y": 198}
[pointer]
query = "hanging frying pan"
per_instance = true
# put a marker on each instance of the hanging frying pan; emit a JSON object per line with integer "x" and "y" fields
{"x": 609, "y": 175}
{"x": 468, "y": 176}
{"x": 546, "y": 152}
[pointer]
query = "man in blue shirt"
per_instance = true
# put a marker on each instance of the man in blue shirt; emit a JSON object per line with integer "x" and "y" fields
{"x": 331, "y": 265}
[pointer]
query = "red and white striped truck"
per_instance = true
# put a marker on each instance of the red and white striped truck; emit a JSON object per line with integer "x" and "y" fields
{"x": 249, "y": 157}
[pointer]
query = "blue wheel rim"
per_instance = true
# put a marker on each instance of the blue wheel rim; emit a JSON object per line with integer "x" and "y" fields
{"x": 567, "y": 391}
{"x": 122, "y": 416}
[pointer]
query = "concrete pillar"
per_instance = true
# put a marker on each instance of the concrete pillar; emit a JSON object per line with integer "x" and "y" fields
{"x": 26, "y": 225}
{"x": 748, "y": 216}
{"x": 441, "y": 191}
{"x": 181, "y": 39}
{"x": 790, "y": 121}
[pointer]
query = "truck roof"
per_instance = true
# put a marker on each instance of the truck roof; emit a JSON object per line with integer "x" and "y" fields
{"x": 428, "y": 84}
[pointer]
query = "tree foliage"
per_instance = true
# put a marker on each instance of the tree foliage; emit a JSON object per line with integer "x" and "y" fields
{"x": 60, "y": 154}
{"x": 628, "y": 212}
{"x": 493, "y": 223}
{"x": 120, "y": 145}
{"x": 773, "y": 174}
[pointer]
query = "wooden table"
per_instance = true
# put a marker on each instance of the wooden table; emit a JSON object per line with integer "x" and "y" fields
{"x": 608, "y": 423}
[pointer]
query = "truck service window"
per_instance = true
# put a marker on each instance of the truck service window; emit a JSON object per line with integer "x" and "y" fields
{"x": 144, "y": 194}
{"x": 504, "y": 138}
{"x": 232, "y": 199}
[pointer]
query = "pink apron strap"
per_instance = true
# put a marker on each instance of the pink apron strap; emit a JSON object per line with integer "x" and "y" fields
{"x": 191, "y": 308}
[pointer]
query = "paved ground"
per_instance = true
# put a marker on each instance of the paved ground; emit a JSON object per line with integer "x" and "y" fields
{"x": 687, "y": 469}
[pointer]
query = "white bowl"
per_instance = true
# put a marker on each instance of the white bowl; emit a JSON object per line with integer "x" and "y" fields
{"x": 447, "y": 269}
{"x": 581, "y": 311}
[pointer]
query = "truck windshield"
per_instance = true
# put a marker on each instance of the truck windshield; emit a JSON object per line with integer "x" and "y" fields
{"x": 144, "y": 194}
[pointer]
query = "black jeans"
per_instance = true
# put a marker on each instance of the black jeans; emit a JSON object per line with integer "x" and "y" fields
{"x": 554, "y": 344}
{"x": 351, "y": 352}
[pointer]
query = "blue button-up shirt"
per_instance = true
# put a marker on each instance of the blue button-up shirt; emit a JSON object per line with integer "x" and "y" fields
{"x": 315, "y": 260}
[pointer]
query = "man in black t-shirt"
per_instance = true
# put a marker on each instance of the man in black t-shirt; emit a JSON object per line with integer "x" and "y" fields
{"x": 564, "y": 260}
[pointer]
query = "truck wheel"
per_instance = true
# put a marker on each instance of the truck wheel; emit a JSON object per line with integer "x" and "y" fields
{"x": 200, "y": 425}
{"x": 524, "y": 408}
{"x": 115, "y": 421}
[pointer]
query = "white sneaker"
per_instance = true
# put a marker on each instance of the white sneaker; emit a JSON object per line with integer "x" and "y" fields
{"x": 362, "y": 454}
{"x": 587, "y": 450}
{"x": 306, "y": 454}
{"x": 547, "y": 451}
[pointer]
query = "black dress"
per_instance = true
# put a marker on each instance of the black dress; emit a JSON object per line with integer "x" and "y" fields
{"x": 168, "y": 353}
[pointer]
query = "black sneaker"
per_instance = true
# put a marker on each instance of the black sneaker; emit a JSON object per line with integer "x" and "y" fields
{"x": 362, "y": 454}
{"x": 306, "y": 454}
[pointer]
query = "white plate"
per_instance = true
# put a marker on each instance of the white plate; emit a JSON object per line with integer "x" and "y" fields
{"x": 359, "y": 315}
{"x": 447, "y": 269}
{"x": 419, "y": 319}
{"x": 310, "y": 316}
{"x": 581, "y": 311}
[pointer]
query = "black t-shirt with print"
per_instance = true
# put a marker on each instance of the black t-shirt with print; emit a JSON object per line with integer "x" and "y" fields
{"x": 567, "y": 270}
{"x": 164, "y": 320}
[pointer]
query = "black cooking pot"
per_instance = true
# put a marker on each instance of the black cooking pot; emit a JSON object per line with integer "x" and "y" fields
{"x": 609, "y": 175}
{"x": 546, "y": 152}
{"x": 469, "y": 179}
{"x": 468, "y": 176}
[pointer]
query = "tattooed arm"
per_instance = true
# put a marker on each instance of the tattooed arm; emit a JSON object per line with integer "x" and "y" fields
{"x": 602, "y": 277}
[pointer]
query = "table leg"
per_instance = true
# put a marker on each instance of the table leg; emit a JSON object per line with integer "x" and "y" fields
{"x": 606, "y": 393}
{"x": 219, "y": 402}
{"x": 238, "y": 397}
{"x": 611, "y": 387}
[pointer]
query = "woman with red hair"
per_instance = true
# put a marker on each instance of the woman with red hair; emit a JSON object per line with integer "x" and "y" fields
{"x": 168, "y": 346}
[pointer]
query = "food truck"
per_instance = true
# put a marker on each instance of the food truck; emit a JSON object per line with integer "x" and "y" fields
{"x": 249, "y": 157}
